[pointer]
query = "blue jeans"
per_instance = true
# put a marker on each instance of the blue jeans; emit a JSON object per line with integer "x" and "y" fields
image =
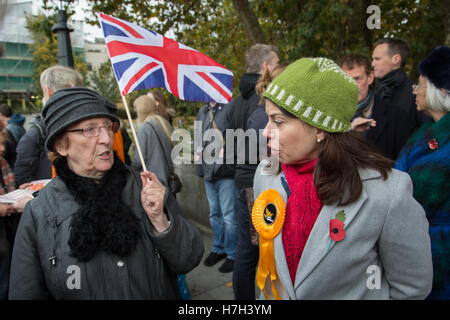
{"x": 221, "y": 196}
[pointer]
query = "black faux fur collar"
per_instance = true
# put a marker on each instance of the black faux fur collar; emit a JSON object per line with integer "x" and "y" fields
{"x": 103, "y": 221}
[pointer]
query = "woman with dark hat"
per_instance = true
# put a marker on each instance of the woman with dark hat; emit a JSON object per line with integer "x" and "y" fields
{"x": 98, "y": 230}
{"x": 426, "y": 158}
{"x": 336, "y": 222}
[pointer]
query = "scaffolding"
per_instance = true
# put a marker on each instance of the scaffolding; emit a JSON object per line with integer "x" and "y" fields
{"x": 17, "y": 87}
{"x": 16, "y": 63}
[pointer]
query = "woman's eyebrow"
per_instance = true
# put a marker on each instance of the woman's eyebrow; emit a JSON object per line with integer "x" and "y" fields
{"x": 273, "y": 115}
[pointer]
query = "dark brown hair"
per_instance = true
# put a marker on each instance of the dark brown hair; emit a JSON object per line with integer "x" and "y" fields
{"x": 266, "y": 78}
{"x": 336, "y": 176}
{"x": 161, "y": 98}
{"x": 6, "y": 110}
{"x": 395, "y": 46}
{"x": 353, "y": 60}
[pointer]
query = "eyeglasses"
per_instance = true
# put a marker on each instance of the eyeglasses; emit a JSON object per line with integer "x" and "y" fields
{"x": 417, "y": 86}
{"x": 93, "y": 130}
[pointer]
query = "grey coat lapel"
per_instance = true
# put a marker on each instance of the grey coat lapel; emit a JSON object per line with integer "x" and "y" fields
{"x": 317, "y": 246}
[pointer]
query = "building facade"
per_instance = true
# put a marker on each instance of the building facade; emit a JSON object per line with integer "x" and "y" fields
{"x": 17, "y": 86}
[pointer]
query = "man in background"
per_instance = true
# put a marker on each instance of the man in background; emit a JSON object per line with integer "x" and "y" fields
{"x": 32, "y": 162}
{"x": 378, "y": 120}
{"x": 258, "y": 59}
{"x": 393, "y": 86}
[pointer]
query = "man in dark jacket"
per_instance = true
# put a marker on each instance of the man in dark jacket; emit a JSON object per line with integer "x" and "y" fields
{"x": 258, "y": 58}
{"x": 219, "y": 184}
{"x": 32, "y": 162}
{"x": 380, "y": 121}
{"x": 388, "y": 60}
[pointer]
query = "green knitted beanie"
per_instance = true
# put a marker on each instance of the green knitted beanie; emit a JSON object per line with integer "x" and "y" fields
{"x": 318, "y": 92}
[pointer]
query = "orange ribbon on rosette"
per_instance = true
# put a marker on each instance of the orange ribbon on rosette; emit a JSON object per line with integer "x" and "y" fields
{"x": 268, "y": 216}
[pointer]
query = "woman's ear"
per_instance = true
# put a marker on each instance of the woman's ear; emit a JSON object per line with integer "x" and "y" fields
{"x": 320, "y": 135}
{"x": 60, "y": 148}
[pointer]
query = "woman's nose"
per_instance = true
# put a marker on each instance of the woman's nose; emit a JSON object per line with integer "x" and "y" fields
{"x": 265, "y": 132}
{"x": 105, "y": 136}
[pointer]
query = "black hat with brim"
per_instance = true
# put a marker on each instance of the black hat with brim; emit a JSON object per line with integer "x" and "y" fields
{"x": 69, "y": 106}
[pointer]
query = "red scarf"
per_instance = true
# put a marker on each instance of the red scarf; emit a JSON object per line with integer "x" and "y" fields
{"x": 8, "y": 177}
{"x": 302, "y": 209}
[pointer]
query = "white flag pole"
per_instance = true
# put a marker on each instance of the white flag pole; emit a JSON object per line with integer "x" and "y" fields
{"x": 130, "y": 120}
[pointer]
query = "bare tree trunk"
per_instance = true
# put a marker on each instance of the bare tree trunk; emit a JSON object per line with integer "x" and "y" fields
{"x": 367, "y": 33}
{"x": 249, "y": 21}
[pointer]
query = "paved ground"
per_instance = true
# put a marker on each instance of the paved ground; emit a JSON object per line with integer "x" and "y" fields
{"x": 207, "y": 283}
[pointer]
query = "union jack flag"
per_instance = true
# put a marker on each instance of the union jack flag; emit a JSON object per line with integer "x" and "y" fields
{"x": 144, "y": 59}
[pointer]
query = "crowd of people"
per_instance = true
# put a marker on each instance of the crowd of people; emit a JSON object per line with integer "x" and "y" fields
{"x": 361, "y": 185}
{"x": 338, "y": 138}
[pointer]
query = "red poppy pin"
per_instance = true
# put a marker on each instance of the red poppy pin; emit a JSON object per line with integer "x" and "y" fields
{"x": 433, "y": 144}
{"x": 337, "y": 232}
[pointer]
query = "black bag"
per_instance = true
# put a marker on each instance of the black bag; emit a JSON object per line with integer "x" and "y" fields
{"x": 175, "y": 184}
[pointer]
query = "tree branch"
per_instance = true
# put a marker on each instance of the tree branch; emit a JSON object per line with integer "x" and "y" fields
{"x": 249, "y": 21}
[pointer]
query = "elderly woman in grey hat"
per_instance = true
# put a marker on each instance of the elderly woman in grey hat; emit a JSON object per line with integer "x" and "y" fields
{"x": 98, "y": 230}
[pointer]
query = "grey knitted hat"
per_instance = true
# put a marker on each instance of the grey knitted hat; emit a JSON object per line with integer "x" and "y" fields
{"x": 68, "y": 106}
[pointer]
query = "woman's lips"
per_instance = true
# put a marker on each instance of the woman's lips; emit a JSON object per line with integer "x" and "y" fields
{"x": 105, "y": 155}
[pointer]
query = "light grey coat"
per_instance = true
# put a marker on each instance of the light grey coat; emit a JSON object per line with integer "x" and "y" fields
{"x": 156, "y": 149}
{"x": 386, "y": 231}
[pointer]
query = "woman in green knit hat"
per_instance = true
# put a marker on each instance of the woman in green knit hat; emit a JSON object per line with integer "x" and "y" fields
{"x": 335, "y": 222}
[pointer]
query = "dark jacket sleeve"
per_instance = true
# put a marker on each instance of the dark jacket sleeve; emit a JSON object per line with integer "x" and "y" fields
{"x": 27, "y": 160}
{"x": 10, "y": 152}
{"x": 27, "y": 277}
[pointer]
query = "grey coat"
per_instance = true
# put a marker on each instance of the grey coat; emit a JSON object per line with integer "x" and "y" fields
{"x": 157, "y": 156}
{"x": 43, "y": 268}
{"x": 386, "y": 230}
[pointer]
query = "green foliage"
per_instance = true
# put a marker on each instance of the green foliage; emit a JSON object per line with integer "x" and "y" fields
{"x": 121, "y": 113}
{"x": 103, "y": 81}
{"x": 335, "y": 28}
{"x": 297, "y": 27}
{"x": 45, "y": 50}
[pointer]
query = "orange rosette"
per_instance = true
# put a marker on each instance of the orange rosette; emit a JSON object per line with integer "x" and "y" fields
{"x": 268, "y": 216}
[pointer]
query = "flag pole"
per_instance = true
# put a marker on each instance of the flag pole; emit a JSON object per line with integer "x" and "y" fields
{"x": 130, "y": 120}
